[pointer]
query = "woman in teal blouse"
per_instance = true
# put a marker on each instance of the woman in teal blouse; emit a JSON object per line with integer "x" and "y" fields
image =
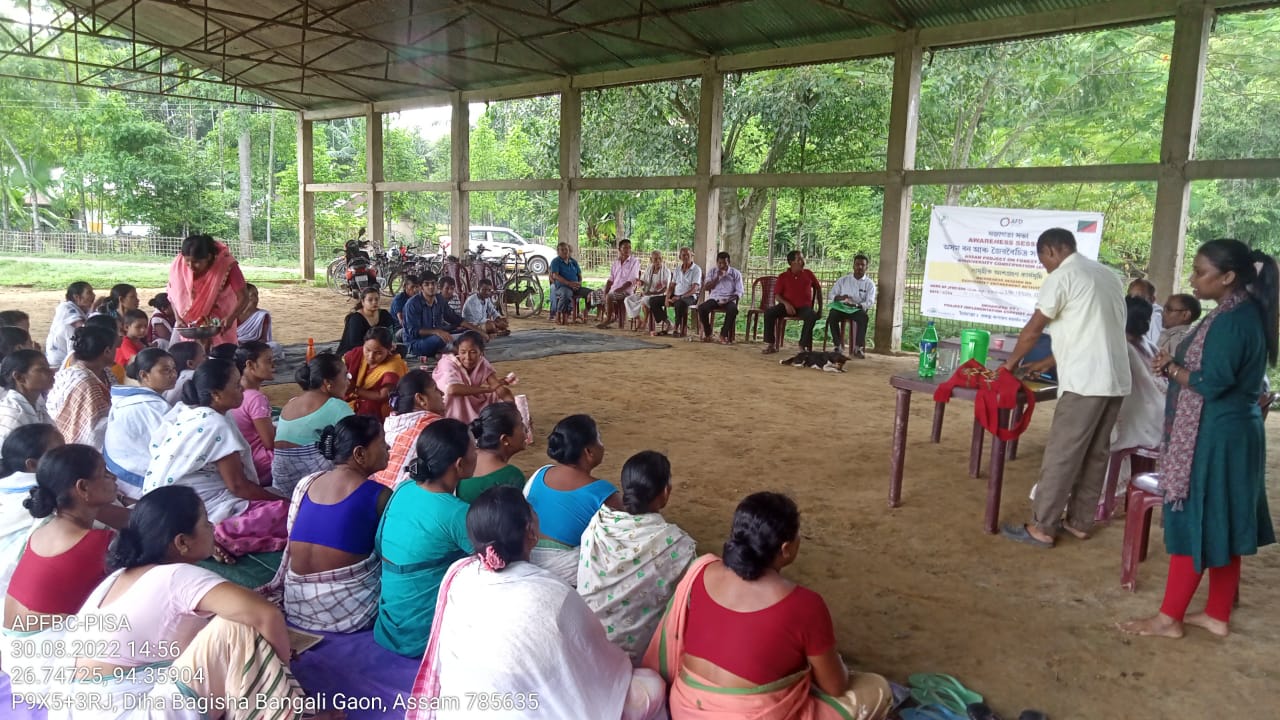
{"x": 1213, "y": 463}
{"x": 423, "y": 531}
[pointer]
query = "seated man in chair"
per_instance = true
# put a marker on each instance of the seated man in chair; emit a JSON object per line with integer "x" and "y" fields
{"x": 623, "y": 276}
{"x": 686, "y": 283}
{"x": 851, "y": 297}
{"x": 724, "y": 290}
{"x": 566, "y": 284}
{"x": 795, "y": 291}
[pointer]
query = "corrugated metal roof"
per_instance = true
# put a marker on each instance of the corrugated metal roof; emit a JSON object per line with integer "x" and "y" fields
{"x": 319, "y": 53}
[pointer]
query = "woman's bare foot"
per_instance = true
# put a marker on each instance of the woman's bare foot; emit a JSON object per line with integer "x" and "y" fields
{"x": 1159, "y": 626}
{"x": 1077, "y": 534}
{"x": 1201, "y": 620}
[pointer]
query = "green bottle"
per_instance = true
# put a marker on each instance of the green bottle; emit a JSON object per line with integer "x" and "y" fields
{"x": 929, "y": 351}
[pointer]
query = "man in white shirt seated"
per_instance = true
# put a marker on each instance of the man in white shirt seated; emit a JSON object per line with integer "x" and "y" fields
{"x": 479, "y": 310}
{"x": 1082, "y": 304}
{"x": 1144, "y": 289}
{"x": 686, "y": 283}
{"x": 851, "y": 297}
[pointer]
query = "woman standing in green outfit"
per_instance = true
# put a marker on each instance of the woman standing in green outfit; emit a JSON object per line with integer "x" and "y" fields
{"x": 499, "y": 433}
{"x": 1212, "y": 465}
{"x": 423, "y": 531}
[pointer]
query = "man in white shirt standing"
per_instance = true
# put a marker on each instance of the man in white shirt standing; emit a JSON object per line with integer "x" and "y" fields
{"x": 1081, "y": 303}
{"x": 686, "y": 283}
{"x": 851, "y": 297}
{"x": 623, "y": 276}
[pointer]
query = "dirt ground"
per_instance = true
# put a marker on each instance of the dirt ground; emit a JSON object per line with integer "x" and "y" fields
{"x": 920, "y": 588}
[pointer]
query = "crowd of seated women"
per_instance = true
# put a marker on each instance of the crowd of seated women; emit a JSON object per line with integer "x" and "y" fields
{"x": 393, "y": 496}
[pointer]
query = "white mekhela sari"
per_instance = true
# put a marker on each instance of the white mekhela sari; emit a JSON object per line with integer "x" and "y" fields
{"x": 629, "y": 568}
{"x": 135, "y": 413}
{"x": 529, "y": 636}
{"x": 185, "y": 450}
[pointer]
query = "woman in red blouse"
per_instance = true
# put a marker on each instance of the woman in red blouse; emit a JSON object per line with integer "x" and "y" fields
{"x": 739, "y": 638}
{"x": 65, "y": 559}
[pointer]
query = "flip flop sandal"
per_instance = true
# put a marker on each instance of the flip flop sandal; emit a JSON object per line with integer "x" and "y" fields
{"x": 929, "y": 712}
{"x": 942, "y": 689}
{"x": 1019, "y": 533}
{"x": 1032, "y": 715}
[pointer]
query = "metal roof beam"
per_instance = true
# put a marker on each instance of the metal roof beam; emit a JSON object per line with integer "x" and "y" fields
{"x": 839, "y": 7}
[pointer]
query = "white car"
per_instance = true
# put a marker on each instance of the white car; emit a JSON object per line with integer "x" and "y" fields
{"x": 499, "y": 241}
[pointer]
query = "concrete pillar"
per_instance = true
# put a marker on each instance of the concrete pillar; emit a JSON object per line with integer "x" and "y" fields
{"x": 570, "y": 163}
{"x": 1177, "y": 143}
{"x": 706, "y": 227}
{"x": 306, "y": 201}
{"x": 895, "y": 224}
{"x": 460, "y": 172}
{"x": 374, "y": 220}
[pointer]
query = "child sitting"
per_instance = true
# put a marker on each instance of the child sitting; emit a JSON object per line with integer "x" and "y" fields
{"x": 136, "y": 329}
{"x": 187, "y": 356}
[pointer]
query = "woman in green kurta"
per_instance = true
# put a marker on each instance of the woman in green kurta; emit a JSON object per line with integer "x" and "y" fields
{"x": 499, "y": 433}
{"x": 423, "y": 531}
{"x": 1213, "y": 463}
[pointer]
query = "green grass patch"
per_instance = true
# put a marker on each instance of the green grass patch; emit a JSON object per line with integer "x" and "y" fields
{"x": 57, "y": 276}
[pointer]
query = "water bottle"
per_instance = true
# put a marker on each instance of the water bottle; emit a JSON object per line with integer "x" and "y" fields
{"x": 929, "y": 352}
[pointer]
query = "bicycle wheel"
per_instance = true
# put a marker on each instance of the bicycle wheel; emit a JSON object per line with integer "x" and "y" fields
{"x": 524, "y": 292}
{"x": 385, "y": 276}
{"x": 335, "y": 275}
{"x": 394, "y": 283}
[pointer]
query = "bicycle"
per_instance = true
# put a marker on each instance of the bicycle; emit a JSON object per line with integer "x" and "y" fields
{"x": 521, "y": 287}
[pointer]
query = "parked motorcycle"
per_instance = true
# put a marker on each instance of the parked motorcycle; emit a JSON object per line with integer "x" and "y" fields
{"x": 361, "y": 272}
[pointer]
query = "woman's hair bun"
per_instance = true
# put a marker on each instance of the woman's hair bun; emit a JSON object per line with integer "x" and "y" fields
{"x": 125, "y": 549}
{"x": 328, "y": 442}
{"x": 762, "y": 524}
{"x": 40, "y": 502}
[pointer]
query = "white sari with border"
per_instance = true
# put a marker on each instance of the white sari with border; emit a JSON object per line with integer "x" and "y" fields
{"x": 185, "y": 450}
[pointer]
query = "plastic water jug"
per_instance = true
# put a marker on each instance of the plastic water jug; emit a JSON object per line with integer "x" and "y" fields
{"x": 973, "y": 345}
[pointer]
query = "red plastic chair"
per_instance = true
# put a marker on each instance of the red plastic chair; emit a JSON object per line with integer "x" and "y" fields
{"x": 847, "y": 325}
{"x": 755, "y": 311}
{"x": 711, "y": 317}
{"x": 1141, "y": 499}
{"x": 692, "y": 317}
{"x": 1141, "y": 460}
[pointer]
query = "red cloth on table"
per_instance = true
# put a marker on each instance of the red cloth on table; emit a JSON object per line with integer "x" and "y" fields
{"x": 994, "y": 395}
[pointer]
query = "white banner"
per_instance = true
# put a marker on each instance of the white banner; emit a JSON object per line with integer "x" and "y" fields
{"x": 982, "y": 265}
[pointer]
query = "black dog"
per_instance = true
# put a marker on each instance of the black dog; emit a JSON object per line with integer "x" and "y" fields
{"x": 825, "y": 361}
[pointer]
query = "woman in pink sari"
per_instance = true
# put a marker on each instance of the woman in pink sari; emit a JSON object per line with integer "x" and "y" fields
{"x": 468, "y": 381}
{"x": 206, "y": 287}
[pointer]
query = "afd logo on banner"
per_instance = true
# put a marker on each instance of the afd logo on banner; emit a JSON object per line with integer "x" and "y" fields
{"x": 1010, "y": 221}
